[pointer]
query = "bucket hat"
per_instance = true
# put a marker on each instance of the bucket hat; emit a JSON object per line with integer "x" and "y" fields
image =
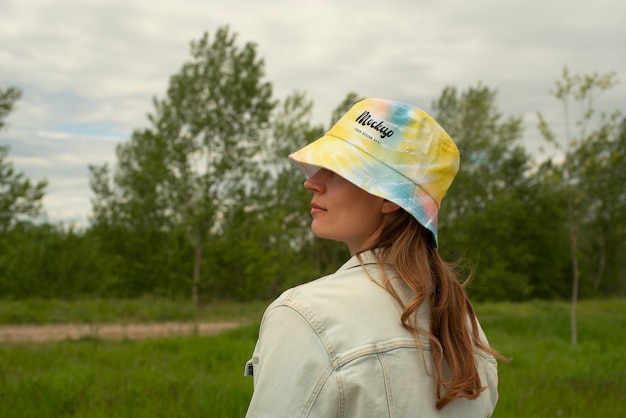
{"x": 392, "y": 150}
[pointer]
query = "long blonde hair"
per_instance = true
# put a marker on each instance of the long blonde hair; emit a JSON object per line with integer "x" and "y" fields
{"x": 411, "y": 250}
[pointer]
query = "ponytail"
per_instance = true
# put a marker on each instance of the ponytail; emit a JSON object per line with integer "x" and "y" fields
{"x": 454, "y": 331}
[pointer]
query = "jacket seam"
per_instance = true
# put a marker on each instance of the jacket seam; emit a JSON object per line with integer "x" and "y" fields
{"x": 391, "y": 408}
{"x": 341, "y": 402}
{"x": 289, "y": 303}
{"x": 342, "y": 361}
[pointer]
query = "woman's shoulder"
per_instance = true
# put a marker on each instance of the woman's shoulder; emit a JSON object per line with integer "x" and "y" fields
{"x": 350, "y": 281}
{"x": 351, "y": 296}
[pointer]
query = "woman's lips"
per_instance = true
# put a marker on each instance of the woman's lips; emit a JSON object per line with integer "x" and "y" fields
{"x": 315, "y": 208}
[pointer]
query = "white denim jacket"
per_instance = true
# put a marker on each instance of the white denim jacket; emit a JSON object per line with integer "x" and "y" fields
{"x": 335, "y": 347}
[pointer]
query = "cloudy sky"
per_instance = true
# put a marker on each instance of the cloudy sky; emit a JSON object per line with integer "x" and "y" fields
{"x": 89, "y": 69}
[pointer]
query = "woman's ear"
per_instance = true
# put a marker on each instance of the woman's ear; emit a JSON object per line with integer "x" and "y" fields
{"x": 389, "y": 207}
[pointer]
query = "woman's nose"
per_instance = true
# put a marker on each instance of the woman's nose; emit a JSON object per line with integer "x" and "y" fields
{"x": 315, "y": 183}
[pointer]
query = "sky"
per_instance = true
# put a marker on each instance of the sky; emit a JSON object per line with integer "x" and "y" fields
{"x": 89, "y": 69}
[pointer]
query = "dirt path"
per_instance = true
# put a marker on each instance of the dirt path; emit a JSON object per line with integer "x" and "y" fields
{"x": 60, "y": 332}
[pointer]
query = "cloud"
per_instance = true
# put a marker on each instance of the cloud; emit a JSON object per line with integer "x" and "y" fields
{"x": 89, "y": 69}
{"x": 62, "y": 159}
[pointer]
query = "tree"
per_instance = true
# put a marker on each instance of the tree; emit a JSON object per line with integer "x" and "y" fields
{"x": 185, "y": 173}
{"x": 602, "y": 178}
{"x": 49, "y": 261}
{"x": 8, "y": 98}
{"x": 343, "y": 107}
{"x": 272, "y": 229}
{"x": 19, "y": 197}
{"x": 582, "y": 90}
{"x": 491, "y": 159}
{"x": 267, "y": 225}
{"x": 485, "y": 205}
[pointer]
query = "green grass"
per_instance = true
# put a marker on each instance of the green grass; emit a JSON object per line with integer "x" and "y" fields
{"x": 203, "y": 376}
{"x": 547, "y": 377}
{"x": 171, "y": 377}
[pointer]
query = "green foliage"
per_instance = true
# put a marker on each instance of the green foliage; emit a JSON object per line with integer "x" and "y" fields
{"x": 345, "y": 105}
{"x": 495, "y": 212}
{"x": 203, "y": 204}
{"x": 48, "y": 261}
{"x": 8, "y": 98}
{"x": 181, "y": 177}
{"x": 491, "y": 158}
{"x": 269, "y": 225}
{"x": 19, "y": 198}
{"x": 602, "y": 179}
{"x": 586, "y": 152}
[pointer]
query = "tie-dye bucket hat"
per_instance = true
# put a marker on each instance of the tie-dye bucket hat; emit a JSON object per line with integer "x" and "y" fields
{"x": 392, "y": 150}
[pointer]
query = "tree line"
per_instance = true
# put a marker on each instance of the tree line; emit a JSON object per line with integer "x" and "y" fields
{"x": 202, "y": 204}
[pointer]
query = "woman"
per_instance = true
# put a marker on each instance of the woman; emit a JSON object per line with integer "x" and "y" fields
{"x": 391, "y": 333}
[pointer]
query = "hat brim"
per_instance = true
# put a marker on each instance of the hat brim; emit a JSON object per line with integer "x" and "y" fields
{"x": 368, "y": 173}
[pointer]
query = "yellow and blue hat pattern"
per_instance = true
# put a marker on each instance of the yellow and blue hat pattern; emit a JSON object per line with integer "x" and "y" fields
{"x": 392, "y": 150}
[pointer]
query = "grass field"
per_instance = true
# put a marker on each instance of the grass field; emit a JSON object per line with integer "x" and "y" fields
{"x": 203, "y": 376}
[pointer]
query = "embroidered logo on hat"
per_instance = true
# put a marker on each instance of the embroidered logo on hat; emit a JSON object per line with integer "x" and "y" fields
{"x": 392, "y": 150}
{"x": 366, "y": 120}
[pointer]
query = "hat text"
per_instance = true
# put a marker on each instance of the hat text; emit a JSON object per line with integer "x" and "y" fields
{"x": 365, "y": 119}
